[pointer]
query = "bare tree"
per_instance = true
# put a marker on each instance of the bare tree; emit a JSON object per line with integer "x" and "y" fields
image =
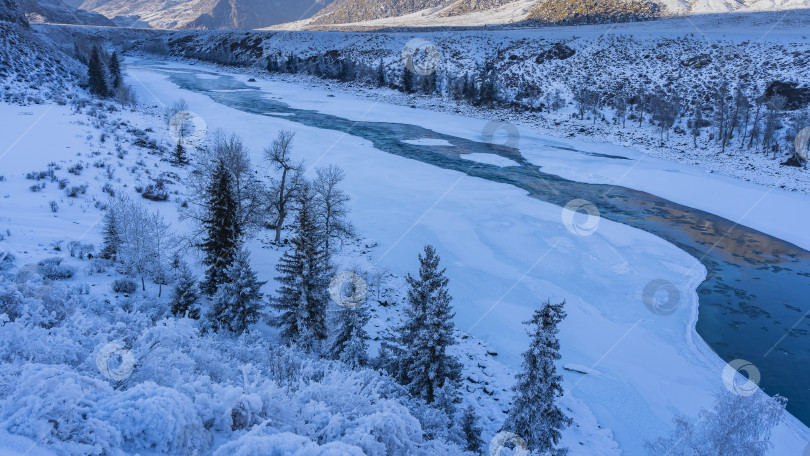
{"x": 697, "y": 124}
{"x": 735, "y": 425}
{"x": 284, "y": 188}
{"x": 772, "y": 122}
{"x": 332, "y": 204}
{"x": 162, "y": 249}
{"x": 146, "y": 242}
{"x": 721, "y": 107}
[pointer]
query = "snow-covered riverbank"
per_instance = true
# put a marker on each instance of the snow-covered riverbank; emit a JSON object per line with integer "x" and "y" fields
{"x": 506, "y": 253}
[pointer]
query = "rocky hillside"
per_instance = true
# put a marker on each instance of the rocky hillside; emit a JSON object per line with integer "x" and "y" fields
{"x": 462, "y": 7}
{"x": 347, "y": 11}
{"x": 567, "y": 12}
{"x": 376, "y": 14}
{"x": 58, "y": 12}
{"x": 204, "y": 14}
{"x": 32, "y": 69}
{"x": 10, "y": 13}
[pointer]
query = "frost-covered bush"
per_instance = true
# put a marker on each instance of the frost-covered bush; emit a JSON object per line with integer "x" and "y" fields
{"x": 124, "y": 286}
{"x": 59, "y": 408}
{"x": 152, "y": 417}
{"x": 11, "y": 301}
{"x": 81, "y": 250}
{"x": 260, "y": 443}
{"x": 189, "y": 390}
{"x": 98, "y": 266}
{"x": 53, "y": 269}
{"x": 6, "y": 260}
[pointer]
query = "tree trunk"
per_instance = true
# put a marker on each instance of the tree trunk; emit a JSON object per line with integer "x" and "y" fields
{"x": 279, "y": 224}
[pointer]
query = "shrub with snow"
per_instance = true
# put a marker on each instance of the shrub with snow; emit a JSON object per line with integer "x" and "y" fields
{"x": 124, "y": 286}
{"x": 53, "y": 269}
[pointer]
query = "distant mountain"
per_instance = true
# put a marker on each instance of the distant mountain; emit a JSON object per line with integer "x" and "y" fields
{"x": 204, "y": 14}
{"x": 59, "y": 12}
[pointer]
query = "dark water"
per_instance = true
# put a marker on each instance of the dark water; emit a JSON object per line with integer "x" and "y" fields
{"x": 753, "y": 303}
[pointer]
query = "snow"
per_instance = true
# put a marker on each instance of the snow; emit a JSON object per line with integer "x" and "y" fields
{"x": 489, "y": 159}
{"x": 428, "y": 142}
{"x": 506, "y": 253}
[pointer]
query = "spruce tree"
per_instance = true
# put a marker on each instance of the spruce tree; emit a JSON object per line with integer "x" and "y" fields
{"x": 238, "y": 301}
{"x": 535, "y": 416}
{"x": 185, "y": 295}
{"x": 180, "y": 154}
{"x": 472, "y": 431}
{"x": 96, "y": 76}
{"x": 348, "y": 339}
{"x": 222, "y": 229}
{"x": 428, "y": 331}
{"x": 407, "y": 80}
{"x": 111, "y": 234}
{"x": 380, "y": 74}
{"x": 303, "y": 295}
{"x": 115, "y": 71}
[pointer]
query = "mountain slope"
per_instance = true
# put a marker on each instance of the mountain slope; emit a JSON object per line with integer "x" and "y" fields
{"x": 10, "y": 13}
{"x": 205, "y": 14}
{"x": 346, "y": 11}
{"x": 32, "y": 69}
{"x": 58, "y": 12}
{"x": 362, "y": 14}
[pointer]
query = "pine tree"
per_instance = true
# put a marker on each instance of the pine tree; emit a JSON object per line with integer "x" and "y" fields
{"x": 447, "y": 400}
{"x": 115, "y": 71}
{"x": 180, "y": 154}
{"x": 111, "y": 234}
{"x": 222, "y": 229}
{"x": 472, "y": 431}
{"x": 348, "y": 339}
{"x": 407, "y": 81}
{"x": 96, "y": 76}
{"x": 303, "y": 295}
{"x": 238, "y": 301}
{"x": 535, "y": 415}
{"x": 428, "y": 331}
{"x": 380, "y": 74}
{"x": 185, "y": 295}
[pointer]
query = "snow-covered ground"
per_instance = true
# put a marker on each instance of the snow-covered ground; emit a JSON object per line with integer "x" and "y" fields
{"x": 506, "y": 252}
